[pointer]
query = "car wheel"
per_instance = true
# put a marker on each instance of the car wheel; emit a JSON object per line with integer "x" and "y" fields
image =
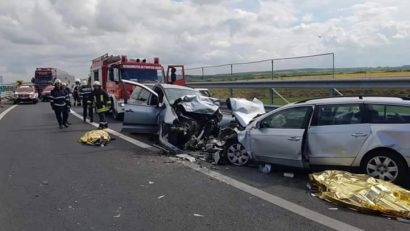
{"x": 237, "y": 154}
{"x": 385, "y": 165}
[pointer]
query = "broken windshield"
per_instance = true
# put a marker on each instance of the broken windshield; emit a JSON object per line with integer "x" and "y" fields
{"x": 173, "y": 94}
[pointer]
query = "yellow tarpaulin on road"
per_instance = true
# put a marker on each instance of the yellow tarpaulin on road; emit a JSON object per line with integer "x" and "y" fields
{"x": 362, "y": 193}
{"x": 95, "y": 137}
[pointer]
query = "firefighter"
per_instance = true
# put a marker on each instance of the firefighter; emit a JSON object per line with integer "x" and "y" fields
{"x": 67, "y": 108}
{"x": 86, "y": 93}
{"x": 173, "y": 75}
{"x": 102, "y": 104}
{"x": 76, "y": 93}
{"x": 58, "y": 101}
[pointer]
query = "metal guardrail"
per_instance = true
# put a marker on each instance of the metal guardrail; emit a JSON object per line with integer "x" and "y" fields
{"x": 391, "y": 82}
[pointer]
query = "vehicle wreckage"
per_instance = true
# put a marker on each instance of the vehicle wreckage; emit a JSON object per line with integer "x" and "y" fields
{"x": 189, "y": 122}
{"x": 198, "y": 125}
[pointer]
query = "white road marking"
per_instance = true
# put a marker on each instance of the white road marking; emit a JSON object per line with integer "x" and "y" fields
{"x": 287, "y": 205}
{"x": 7, "y": 111}
{"x": 120, "y": 135}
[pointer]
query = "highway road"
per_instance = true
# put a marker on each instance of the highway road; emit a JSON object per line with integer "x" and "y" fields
{"x": 49, "y": 181}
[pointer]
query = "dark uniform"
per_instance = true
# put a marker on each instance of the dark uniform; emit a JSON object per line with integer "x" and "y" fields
{"x": 67, "y": 108}
{"x": 102, "y": 105}
{"x": 86, "y": 93}
{"x": 76, "y": 95}
{"x": 58, "y": 101}
{"x": 173, "y": 75}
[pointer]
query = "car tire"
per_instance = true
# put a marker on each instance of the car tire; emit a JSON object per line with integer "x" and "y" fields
{"x": 385, "y": 165}
{"x": 236, "y": 153}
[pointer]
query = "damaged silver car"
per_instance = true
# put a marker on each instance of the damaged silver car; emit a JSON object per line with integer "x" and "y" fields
{"x": 371, "y": 133}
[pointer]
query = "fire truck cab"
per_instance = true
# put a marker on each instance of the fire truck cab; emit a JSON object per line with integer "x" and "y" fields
{"x": 110, "y": 70}
{"x": 178, "y": 73}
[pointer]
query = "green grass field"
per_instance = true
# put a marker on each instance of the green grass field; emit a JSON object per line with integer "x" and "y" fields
{"x": 293, "y": 95}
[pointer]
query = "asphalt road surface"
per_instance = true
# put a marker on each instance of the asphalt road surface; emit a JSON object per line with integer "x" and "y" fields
{"x": 49, "y": 181}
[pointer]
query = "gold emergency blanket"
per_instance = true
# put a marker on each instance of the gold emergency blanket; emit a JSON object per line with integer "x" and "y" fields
{"x": 95, "y": 137}
{"x": 362, "y": 193}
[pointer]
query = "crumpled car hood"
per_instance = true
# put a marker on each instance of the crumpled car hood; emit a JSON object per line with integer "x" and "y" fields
{"x": 245, "y": 111}
{"x": 198, "y": 104}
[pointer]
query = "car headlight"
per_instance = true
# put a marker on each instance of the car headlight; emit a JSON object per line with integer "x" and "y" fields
{"x": 122, "y": 105}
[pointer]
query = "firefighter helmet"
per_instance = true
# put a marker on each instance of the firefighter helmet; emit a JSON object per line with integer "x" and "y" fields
{"x": 97, "y": 83}
{"x": 57, "y": 81}
{"x": 84, "y": 82}
{"x": 78, "y": 81}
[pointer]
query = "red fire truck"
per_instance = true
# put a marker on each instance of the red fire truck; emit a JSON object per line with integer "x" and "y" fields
{"x": 110, "y": 70}
{"x": 45, "y": 76}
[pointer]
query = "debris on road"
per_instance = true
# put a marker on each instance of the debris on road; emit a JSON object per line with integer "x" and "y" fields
{"x": 96, "y": 138}
{"x": 151, "y": 182}
{"x": 265, "y": 168}
{"x": 361, "y": 193}
{"x": 289, "y": 174}
{"x": 44, "y": 182}
{"x": 198, "y": 215}
{"x": 333, "y": 208}
{"x": 160, "y": 197}
{"x": 186, "y": 157}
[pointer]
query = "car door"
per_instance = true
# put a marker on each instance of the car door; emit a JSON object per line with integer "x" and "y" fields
{"x": 141, "y": 111}
{"x": 337, "y": 134}
{"x": 278, "y": 138}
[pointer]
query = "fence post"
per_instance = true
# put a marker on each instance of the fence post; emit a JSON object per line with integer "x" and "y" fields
{"x": 271, "y": 99}
{"x": 231, "y": 89}
{"x": 333, "y": 57}
{"x": 202, "y": 68}
{"x": 272, "y": 68}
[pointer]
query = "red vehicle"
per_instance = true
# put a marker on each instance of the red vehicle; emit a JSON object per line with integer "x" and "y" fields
{"x": 109, "y": 70}
{"x": 24, "y": 94}
{"x": 44, "y": 77}
{"x": 45, "y": 94}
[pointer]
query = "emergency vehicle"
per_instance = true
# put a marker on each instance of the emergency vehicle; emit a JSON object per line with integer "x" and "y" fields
{"x": 45, "y": 76}
{"x": 109, "y": 70}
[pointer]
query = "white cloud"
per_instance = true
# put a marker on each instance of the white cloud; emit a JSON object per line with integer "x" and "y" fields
{"x": 68, "y": 34}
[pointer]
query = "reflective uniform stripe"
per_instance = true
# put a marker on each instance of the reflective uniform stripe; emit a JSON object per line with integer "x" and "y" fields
{"x": 60, "y": 97}
{"x": 59, "y": 105}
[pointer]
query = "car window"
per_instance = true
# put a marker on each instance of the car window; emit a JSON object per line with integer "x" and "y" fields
{"x": 388, "y": 114}
{"x": 134, "y": 96}
{"x": 288, "y": 118}
{"x": 143, "y": 97}
{"x": 339, "y": 114}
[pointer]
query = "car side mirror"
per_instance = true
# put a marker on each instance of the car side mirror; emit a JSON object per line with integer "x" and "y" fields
{"x": 257, "y": 125}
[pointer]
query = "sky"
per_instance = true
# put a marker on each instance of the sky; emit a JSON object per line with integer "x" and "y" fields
{"x": 68, "y": 34}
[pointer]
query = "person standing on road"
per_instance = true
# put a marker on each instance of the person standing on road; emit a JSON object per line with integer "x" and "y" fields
{"x": 76, "y": 93}
{"x": 58, "y": 101}
{"x": 102, "y": 104}
{"x": 67, "y": 108}
{"x": 86, "y": 93}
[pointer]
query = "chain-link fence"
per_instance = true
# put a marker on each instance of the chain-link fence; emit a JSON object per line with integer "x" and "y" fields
{"x": 320, "y": 66}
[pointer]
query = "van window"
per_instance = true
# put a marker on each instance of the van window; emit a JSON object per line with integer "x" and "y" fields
{"x": 292, "y": 118}
{"x": 388, "y": 113}
{"x": 96, "y": 77}
{"x": 338, "y": 114}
